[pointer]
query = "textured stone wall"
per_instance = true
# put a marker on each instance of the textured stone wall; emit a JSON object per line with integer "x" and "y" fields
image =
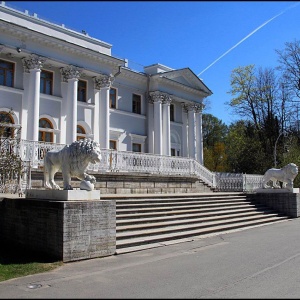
{"x": 285, "y": 203}
{"x": 134, "y": 183}
{"x": 65, "y": 230}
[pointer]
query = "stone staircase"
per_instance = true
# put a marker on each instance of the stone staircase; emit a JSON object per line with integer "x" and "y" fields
{"x": 151, "y": 220}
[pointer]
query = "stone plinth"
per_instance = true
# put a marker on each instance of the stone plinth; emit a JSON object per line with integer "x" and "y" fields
{"x": 63, "y": 195}
{"x": 281, "y": 200}
{"x": 66, "y": 230}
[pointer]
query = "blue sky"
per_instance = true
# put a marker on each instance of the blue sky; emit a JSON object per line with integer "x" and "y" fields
{"x": 210, "y": 37}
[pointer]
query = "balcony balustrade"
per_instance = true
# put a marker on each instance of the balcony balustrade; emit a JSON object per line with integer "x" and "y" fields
{"x": 122, "y": 161}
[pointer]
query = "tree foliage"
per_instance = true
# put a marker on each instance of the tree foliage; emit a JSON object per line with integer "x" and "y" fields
{"x": 289, "y": 65}
{"x": 214, "y": 134}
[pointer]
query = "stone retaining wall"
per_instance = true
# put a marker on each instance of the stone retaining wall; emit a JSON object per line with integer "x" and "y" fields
{"x": 285, "y": 203}
{"x": 133, "y": 183}
{"x": 65, "y": 230}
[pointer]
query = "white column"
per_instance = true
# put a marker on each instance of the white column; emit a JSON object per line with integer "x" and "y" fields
{"x": 157, "y": 100}
{"x": 199, "y": 134}
{"x": 192, "y": 131}
{"x": 150, "y": 126}
{"x": 166, "y": 125}
{"x": 103, "y": 82}
{"x": 72, "y": 111}
{"x": 33, "y": 65}
{"x": 185, "y": 152}
{"x": 71, "y": 74}
{"x": 104, "y": 118}
{"x": 96, "y": 119}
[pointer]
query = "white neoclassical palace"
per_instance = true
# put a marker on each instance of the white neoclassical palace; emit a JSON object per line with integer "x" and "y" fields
{"x": 62, "y": 85}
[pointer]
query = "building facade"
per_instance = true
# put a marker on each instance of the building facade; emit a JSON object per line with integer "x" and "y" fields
{"x": 62, "y": 85}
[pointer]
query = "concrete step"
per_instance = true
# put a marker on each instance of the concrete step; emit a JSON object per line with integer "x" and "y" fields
{"x": 174, "y": 207}
{"x": 123, "y": 248}
{"x": 134, "y": 226}
{"x": 146, "y": 232}
{"x": 145, "y": 221}
{"x": 176, "y": 202}
{"x": 140, "y": 219}
{"x": 162, "y": 238}
{"x": 168, "y": 212}
{"x": 178, "y": 199}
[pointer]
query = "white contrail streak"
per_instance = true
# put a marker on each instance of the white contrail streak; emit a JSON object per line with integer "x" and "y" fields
{"x": 251, "y": 33}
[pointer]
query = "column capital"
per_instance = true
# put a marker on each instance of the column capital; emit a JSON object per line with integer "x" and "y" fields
{"x": 33, "y": 62}
{"x": 70, "y": 72}
{"x": 103, "y": 81}
{"x": 167, "y": 99}
{"x": 199, "y": 107}
{"x": 157, "y": 96}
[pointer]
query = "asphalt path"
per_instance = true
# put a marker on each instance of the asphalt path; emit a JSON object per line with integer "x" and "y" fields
{"x": 261, "y": 262}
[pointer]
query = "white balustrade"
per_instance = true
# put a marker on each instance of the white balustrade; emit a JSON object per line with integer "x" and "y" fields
{"x": 123, "y": 161}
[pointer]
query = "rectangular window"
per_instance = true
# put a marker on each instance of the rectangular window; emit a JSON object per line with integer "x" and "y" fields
{"x": 82, "y": 91}
{"x": 7, "y": 71}
{"x": 113, "y": 98}
{"x": 136, "y": 147}
{"x": 172, "y": 112}
{"x": 113, "y": 145}
{"x": 46, "y": 83}
{"x": 136, "y": 104}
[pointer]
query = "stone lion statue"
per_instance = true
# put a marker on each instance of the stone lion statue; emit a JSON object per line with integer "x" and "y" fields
{"x": 286, "y": 175}
{"x": 72, "y": 161}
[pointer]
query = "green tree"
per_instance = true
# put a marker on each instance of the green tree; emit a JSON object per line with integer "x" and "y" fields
{"x": 214, "y": 134}
{"x": 216, "y": 158}
{"x": 244, "y": 150}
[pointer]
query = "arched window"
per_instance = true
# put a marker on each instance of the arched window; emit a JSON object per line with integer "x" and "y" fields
{"x": 45, "y": 131}
{"x": 6, "y": 128}
{"x": 80, "y": 132}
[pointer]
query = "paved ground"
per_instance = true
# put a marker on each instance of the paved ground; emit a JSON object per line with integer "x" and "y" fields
{"x": 261, "y": 262}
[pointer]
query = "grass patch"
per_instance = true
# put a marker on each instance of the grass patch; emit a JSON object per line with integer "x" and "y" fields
{"x": 17, "y": 262}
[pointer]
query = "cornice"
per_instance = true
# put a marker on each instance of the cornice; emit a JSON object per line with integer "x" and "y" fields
{"x": 22, "y": 33}
{"x": 136, "y": 76}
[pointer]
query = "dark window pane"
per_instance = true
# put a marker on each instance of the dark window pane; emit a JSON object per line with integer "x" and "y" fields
{"x": 136, "y": 147}
{"x": 113, "y": 98}
{"x": 81, "y": 91}
{"x": 136, "y": 104}
{"x": 172, "y": 112}
{"x": 6, "y": 73}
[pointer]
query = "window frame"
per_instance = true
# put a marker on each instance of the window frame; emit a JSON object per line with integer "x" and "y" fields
{"x": 49, "y": 130}
{"x": 110, "y": 98}
{"x": 172, "y": 112}
{"x": 5, "y": 76}
{"x": 139, "y": 146}
{"x": 80, "y": 135}
{"x": 136, "y": 105}
{"x": 81, "y": 88}
{"x": 115, "y": 144}
{"x": 43, "y": 89}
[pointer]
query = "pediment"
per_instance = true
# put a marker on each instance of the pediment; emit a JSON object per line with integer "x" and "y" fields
{"x": 186, "y": 77}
